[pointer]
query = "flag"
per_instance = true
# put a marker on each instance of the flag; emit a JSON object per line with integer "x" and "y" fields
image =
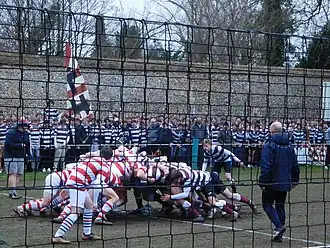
{"x": 77, "y": 92}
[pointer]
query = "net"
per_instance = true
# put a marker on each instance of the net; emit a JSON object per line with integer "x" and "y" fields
{"x": 83, "y": 82}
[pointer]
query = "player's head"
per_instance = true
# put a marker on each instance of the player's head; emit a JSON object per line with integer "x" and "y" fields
{"x": 106, "y": 152}
{"x": 207, "y": 143}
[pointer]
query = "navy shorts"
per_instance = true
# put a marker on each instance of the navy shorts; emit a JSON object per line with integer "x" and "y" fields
{"x": 214, "y": 187}
{"x": 226, "y": 165}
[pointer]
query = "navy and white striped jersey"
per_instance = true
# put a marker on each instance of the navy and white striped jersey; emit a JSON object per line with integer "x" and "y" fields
{"x": 319, "y": 137}
{"x": 3, "y": 131}
{"x": 50, "y": 113}
{"x": 116, "y": 134}
{"x": 299, "y": 136}
{"x": 143, "y": 136}
{"x": 194, "y": 178}
{"x": 46, "y": 137}
{"x": 178, "y": 136}
{"x": 133, "y": 135}
{"x": 239, "y": 137}
{"x": 254, "y": 137}
{"x": 312, "y": 135}
{"x": 62, "y": 135}
{"x": 106, "y": 134}
{"x": 35, "y": 134}
{"x": 217, "y": 154}
{"x": 214, "y": 134}
{"x": 95, "y": 133}
{"x": 263, "y": 135}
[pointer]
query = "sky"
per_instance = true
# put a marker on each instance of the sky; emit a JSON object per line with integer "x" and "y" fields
{"x": 142, "y": 9}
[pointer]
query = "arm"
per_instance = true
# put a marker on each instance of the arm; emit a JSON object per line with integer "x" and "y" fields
{"x": 205, "y": 163}
{"x": 68, "y": 134}
{"x": 266, "y": 164}
{"x": 90, "y": 155}
{"x": 28, "y": 147}
{"x": 183, "y": 195}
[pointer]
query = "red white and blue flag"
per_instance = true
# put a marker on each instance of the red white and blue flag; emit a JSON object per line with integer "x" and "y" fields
{"x": 77, "y": 92}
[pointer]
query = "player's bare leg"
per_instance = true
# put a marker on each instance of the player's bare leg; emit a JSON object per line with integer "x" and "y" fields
{"x": 108, "y": 206}
{"x": 240, "y": 198}
{"x": 223, "y": 206}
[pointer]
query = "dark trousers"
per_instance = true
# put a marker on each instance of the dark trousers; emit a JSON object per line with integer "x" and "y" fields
{"x": 46, "y": 158}
{"x": 277, "y": 214}
{"x": 327, "y": 155}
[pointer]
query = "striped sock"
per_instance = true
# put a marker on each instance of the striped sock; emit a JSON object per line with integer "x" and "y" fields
{"x": 57, "y": 200}
{"x": 66, "y": 211}
{"x": 63, "y": 203}
{"x": 107, "y": 207}
{"x": 31, "y": 205}
{"x": 101, "y": 202}
{"x": 66, "y": 225}
{"x": 87, "y": 221}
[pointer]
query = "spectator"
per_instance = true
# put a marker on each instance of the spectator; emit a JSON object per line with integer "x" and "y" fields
{"x": 50, "y": 113}
{"x": 225, "y": 137}
{"x": 35, "y": 143}
{"x": 178, "y": 146}
{"x": 215, "y": 130}
{"x": 16, "y": 150}
{"x": 46, "y": 146}
{"x": 61, "y": 139}
{"x": 3, "y": 131}
{"x": 107, "y": 131}
{"x": 95, "y": 135}
{"x": 165, "y": 138}
{"x": 279, "y": 174}
{"x": 327, "y": 142}
{"x": 153, "y": 135}
{"x": 199, "y": 131}
{"x": 117, "y": 133}
{"x": 79, "y": 138}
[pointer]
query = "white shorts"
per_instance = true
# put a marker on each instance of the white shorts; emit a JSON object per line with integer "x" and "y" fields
{"x": 78, "y": 197}
{"x": 52, "y": 184}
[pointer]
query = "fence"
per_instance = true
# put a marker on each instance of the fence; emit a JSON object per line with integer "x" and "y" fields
{"x": 192, "y": 79}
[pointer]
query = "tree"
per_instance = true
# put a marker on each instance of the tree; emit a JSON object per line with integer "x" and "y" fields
{"x": 202, "y": 44}
{"x": 103, "y": 45}
{"x": 277, "y": 20}
{"x": 42, "y": 29}
{"x": 318, "y": 51}
{"x": 129, "y": 41}
{"x": 156, "y": 51}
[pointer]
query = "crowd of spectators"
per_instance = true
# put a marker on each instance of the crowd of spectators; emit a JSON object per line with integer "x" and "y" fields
{"x": 56, "y": 139}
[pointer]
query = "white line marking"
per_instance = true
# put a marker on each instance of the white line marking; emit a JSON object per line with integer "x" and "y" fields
{"x": 233, "y": 228}
{"x": 255, "y": 232}
{"x": 318, "y": 247}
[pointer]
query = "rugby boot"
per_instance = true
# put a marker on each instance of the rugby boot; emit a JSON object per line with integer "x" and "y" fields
{"x": 234, "y": 216}
{"x": 99, "y": 221}
{"x": 60, "y": 240}
{"x": 91, "y": 237}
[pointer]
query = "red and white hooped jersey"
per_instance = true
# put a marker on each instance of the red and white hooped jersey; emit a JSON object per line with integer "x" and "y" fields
{"x": 64, "y": 174}
{"x": 138, "y": 166}
{"x": 111, "y": 180}
{"x": 120, "y": 168}
{"x": 126, "y": 154}
{"x": 87, "y": 172}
